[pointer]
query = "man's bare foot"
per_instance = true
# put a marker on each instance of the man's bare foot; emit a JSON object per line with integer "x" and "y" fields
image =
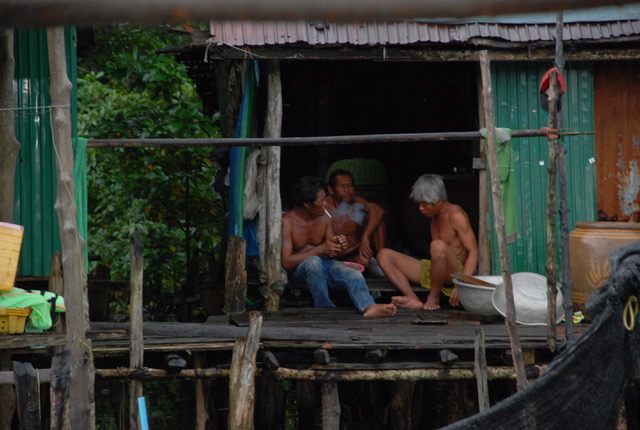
{"x": 432, "y": 303}
{"x": 406, "y": 302}
{"x": 381, "y": 310}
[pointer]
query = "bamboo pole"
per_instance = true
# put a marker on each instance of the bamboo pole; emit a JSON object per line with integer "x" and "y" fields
{"x": 39, "y": 13}
{"x": 510, "y": 320}
{"x": 136, "y": 340}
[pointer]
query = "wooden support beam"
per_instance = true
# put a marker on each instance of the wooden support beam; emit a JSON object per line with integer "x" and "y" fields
{"x": 496, "y": 198}
{"x": 7, "y": 394}
{"x": 60, "y": 375}
{"x": 270, "y": 218}
{"x": 400, "y": 405}
{"x": 28, "y": 394}
{"x": 136, "y": 339}
{"x": 330, "y": 406}
{"x": 242, "y": 377}
{"x": 480, "y": 368}
{"x": 201, "y": 387}
{"x": 82, "y": 398}
{"x": 146, "y": 373}
{"x": 235, "y": 280}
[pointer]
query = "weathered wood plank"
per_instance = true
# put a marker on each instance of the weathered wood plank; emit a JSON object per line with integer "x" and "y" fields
{"x": 28, "y": 395}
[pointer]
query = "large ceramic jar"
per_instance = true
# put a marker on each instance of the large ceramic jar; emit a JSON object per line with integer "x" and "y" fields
{"x": 590, "y": 246}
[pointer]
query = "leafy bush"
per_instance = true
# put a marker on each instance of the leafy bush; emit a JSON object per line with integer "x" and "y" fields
{"x": 127, "y": 90}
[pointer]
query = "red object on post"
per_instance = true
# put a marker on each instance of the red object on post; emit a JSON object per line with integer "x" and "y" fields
{"x": 544, "y": 86}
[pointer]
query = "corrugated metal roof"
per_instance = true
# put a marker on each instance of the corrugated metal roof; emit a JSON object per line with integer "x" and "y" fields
{"x": 260, "y": 33}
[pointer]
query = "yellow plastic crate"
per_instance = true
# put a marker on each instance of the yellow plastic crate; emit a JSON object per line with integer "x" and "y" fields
{"x": 12, "y": 320}
{"x": 10, "y": 244}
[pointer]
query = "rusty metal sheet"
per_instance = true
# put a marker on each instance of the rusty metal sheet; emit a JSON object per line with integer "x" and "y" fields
{"x": 617, "y": 109}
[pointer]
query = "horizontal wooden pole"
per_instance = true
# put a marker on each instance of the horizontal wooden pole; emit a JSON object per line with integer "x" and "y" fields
{"x": 42, "y": 13}
{"x": 305, "y": 141}
{"x": 493, "y": 372}
{"x": 145, "y": 373}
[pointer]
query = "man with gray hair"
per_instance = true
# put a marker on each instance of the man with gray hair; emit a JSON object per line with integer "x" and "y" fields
{"x": 453, "y": 248}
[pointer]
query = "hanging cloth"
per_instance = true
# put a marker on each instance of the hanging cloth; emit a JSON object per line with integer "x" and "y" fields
{"x": 506, "y": 175}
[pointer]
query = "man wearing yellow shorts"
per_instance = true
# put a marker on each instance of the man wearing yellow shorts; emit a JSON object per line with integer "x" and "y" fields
{"x": 453, "y": 248}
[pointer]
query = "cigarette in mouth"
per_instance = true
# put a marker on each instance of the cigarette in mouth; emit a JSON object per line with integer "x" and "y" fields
{"x": 328, "y": 214}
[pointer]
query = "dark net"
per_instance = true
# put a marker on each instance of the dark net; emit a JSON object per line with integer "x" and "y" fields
{"x": 583, "y": 384}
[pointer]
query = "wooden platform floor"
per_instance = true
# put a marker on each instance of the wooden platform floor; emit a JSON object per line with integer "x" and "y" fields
{"x": 293, "y": 335}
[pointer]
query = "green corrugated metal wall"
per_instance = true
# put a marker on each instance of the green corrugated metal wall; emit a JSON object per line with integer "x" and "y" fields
{"x": 517, "y": 106}
{"x": 35, "y": 192}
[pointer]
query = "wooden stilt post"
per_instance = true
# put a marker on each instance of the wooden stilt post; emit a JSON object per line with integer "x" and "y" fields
{"x": 235, "y": 285}
{"x": 270, "y": 408}
{"x": 7, "y": 396}
{"x": 481, "y": 371}
{"x": 201, "y": 387}
{"x": 60, "y": 375}
{"x": 510, "y": 320}
{"x": 330, "y": 406}
{"x": 242, "y": 377}
{"x": 306, "y": 401}
{"x": 136, "y": 345}
{"x": 28, "y": 394}
{"x": 400, "y": 405}
{"x": 271, "y": 206}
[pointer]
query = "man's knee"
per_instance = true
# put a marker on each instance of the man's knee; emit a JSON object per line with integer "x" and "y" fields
{"x": 311, "y": 264}
{"x": 438, "y": 249}
{"x": 385, "y": 257}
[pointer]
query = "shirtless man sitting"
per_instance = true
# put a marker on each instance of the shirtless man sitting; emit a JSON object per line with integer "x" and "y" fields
{"x": 358, "y": 219}
{"x": 308, "y": 248}
{"x": 453, "y": 248}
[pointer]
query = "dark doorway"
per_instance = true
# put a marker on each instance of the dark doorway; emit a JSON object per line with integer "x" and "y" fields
{"x": 328, "y": 98}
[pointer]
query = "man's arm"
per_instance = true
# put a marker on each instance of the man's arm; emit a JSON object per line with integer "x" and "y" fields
{"x": 374, "y": 217}
{"x": 461, "y": 224}
{"x": 290, "y": 259}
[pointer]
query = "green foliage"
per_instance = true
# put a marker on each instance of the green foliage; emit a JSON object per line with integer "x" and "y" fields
{"x": 127, "y": 90}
